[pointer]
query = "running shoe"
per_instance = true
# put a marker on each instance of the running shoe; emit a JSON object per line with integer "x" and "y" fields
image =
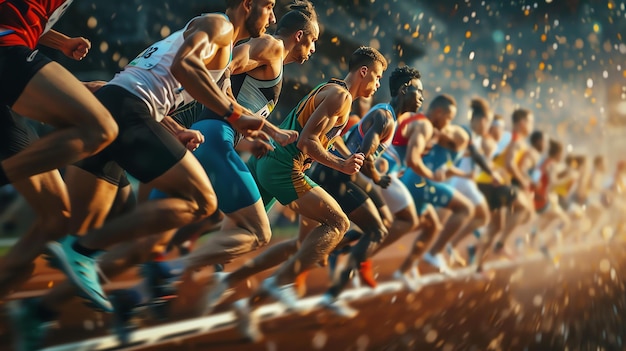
{"x": 30, "y": 329}
{"x": 366, "y": 273}
{"x": 161, "y": 278}
{"x": 81, "y": 270}
{"x": 439, "y": 263}
{"x": 124, "y": 303}
{"x": 300, "y": 283}
{"x": 285, "y": 294}
{"x": 408, "y": 282}
{"x": 455, "y": 256}
{"x": 220, "y": 289}
{"x": 338, "y": 307}
{"x": 247, "y": 321}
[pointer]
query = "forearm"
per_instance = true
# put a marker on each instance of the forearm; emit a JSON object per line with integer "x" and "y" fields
{"x": 370, "y": 171}
{"x": 53, "y": 39}
{"x": 314, "y": 149}
{"x": 479, "y": 159}
{"x": 193, "y": 76}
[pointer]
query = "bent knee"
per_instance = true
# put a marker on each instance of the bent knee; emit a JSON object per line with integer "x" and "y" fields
{"x": 205, "y": 204}
{"x": 263, "y": 235}
{"x": 96, "y": 137}
{"x": 340, "y": 223}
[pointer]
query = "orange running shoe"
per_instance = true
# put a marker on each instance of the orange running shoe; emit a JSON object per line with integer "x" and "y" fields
{"x": 367, "y": 274}
{"x": 300, "y": 283}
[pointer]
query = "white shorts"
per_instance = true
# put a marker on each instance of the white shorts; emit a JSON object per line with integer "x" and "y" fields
{"x": 469, "y": 189}
{"x": 397, "y": 197}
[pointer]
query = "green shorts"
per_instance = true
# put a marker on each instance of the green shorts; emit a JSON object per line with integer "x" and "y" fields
{"x": 283, "y": 180}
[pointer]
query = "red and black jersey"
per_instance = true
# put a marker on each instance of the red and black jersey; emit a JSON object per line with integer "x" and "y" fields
{"x": 23, "y": 22}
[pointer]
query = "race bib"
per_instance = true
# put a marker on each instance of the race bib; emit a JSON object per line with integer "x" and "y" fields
{"x": 151, "y": 56}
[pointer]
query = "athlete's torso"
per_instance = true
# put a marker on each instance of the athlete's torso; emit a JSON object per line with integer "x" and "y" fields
{"x": 297, "y": 119}
{"x": 148, "y": 76}
{"x": 499, "y": 163}
{"x": 23, "y": 22}
{"x": 396, "y": 154}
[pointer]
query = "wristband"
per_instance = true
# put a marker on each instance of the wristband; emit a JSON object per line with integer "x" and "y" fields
{"x": 234, "y": 113}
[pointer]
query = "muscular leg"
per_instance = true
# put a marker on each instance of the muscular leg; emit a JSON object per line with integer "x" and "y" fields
{"x": 430, "y": 225}
{"x": 84, "y": 127}
{"x": 462, "y": 211}
{"x": 242, "y": 231}
{"x": 320, "y": 207}
{"x": 481, "y": 217}
{"x": 374, "y": 233}
{"x": 194, "y": 199}
{"x": 47, "y": 195}
{"x": 496, "y": 224}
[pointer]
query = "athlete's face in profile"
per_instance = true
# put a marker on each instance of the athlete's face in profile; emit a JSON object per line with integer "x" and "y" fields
{"x": 442, "y": 117}
{"x": 305, "y": 46}
{"x": 480, "y": 126}
{"x": 527, "y": 124}
{"x": 260, "y": 17}
{"x": 412, "y": 95}
{"x": 371, "y": 78}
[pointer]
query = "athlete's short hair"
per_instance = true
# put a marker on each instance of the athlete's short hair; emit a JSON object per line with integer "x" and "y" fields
{"x": 554, "y": 148}
{"x": 366, "y": 56}
{"x": 536, "y": 136}
{"x": 479, "y": 108}
{"x": 521, "y": 114}
{"x": 401, "y": 76}
{"x": 301, "y": 16}
{"x": 443, "y": 101}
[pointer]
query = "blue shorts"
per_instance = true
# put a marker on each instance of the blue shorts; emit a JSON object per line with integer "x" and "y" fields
{"x": 426, "y": 192}
{"x": 232, "y": 181}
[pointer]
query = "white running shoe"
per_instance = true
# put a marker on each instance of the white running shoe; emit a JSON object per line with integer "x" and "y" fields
{"x": 439, "y": 263}
{"x": 247, "y": 321}
{"x": 408, "y": 282}
{"x": 338, "y": 307}
{"x": 285, "y": 294}
{"x": 219, "y": 291}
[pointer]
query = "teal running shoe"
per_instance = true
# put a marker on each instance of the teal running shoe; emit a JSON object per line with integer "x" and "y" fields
{"x": 81, "y": 270}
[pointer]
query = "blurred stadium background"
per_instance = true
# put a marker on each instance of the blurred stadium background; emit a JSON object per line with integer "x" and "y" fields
{"x": 562, "y": 59}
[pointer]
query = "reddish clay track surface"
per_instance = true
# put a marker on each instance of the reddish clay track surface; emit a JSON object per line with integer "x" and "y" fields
{"x": 528, "y": 304}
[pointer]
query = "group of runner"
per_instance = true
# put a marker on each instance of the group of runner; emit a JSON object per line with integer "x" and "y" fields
{"x": 178, "y": 117}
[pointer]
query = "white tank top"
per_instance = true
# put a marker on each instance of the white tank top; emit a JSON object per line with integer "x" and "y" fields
{"x": 148, "y": 76}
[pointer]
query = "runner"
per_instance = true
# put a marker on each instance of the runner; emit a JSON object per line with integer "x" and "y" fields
{"x": 319, "y": 117}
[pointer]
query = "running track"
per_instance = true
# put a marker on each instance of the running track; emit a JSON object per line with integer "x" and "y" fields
{"x": 530, "y": 303}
